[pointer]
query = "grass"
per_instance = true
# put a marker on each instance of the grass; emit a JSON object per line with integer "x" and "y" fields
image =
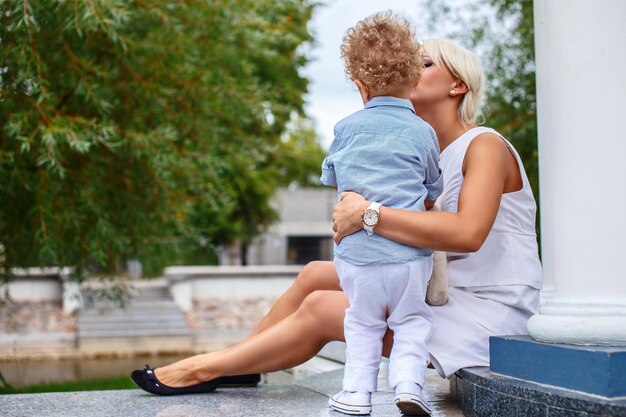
{"x": 120, "y": 382}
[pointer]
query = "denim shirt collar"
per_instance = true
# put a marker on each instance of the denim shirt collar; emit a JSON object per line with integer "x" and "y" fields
{"x": 389, "y": 101}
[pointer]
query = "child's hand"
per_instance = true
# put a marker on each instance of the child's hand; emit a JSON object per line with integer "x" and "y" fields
{"x": 437, "y": 291}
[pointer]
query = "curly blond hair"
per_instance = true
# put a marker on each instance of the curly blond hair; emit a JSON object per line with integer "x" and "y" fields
{"x": 382, "y": 52}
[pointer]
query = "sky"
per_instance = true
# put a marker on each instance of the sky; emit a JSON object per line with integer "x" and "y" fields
{"x": 331, "y": 96}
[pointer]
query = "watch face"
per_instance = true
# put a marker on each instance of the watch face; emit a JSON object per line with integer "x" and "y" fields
{"x": 370, "y": 217}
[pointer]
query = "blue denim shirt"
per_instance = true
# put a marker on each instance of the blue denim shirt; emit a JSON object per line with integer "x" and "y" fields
{"x": 388, "y": 154}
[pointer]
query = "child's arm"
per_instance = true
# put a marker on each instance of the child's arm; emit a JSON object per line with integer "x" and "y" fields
{"x": 329, "y": 178}
{"x": 328, "y": 165}
{"x": 433, "y": 179}
{"x": 328, "y": 172}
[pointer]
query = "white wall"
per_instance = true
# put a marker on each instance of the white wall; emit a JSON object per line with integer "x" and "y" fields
{"x": 191, "y": 283}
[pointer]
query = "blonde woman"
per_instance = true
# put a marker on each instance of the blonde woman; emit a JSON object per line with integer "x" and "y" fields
{"x": 487, "y": 227}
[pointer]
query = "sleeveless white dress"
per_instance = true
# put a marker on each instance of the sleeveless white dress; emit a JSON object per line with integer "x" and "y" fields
{"x": 495, "y": 290}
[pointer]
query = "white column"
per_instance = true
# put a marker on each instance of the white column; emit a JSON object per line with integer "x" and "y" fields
{"x": 581, "y": 105}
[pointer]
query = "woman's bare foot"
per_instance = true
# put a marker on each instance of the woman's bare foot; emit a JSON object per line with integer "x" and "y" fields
{"x": 184, "y": 373}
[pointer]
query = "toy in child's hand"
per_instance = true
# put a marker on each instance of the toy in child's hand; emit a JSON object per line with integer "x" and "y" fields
{"x": 437, "y": 291}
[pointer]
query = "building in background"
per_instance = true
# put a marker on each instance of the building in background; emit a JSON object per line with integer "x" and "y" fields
{"x": 302, "y": 234}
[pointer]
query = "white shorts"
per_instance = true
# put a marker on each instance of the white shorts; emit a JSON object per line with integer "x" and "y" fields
{"x": 462, "y": 326}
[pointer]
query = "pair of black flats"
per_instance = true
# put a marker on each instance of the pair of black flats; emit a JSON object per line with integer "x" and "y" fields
{"x": 147, "y": 381}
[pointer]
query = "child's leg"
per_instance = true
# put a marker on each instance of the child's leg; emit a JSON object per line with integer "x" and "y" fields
{"x": 410, "y": 318}
{"x": 364, "y": 324}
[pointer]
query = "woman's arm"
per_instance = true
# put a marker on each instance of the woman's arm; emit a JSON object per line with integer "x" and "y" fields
{"x": 485, "y": 172}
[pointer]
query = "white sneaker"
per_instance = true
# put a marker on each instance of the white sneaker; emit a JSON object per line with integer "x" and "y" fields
{"x": 411, "y": 401}
{"x": 355, "y": 403}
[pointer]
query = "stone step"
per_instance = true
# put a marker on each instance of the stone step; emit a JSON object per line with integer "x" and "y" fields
{"x": 122, "y": 323}
{"x": 135, "y": 305}
{"x": 124, "y": 318}
{"x": 152, "y": 293}
{"x": 151, "y": 321}
{"x": 141, "y": 296}
{"x": 120, "y": 320}
{"x": 134, "y": 323}
{"x": 121, "y": 315}
{"x": 153, "y": 318}
{"x": 133, "y": 332}
{"x": 133, "y": 319}
{"x": 139, "y": 315}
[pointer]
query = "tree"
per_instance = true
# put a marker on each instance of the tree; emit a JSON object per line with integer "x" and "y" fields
{"x": 125, "y": 123}
{"x": 301, "y": 154}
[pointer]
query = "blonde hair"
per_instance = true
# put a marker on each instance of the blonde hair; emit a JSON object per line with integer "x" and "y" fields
{"x": 382, "y": 52}
{"x": 465, "y": 66}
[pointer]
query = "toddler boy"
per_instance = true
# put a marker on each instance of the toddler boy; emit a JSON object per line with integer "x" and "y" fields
{"x": 388, "y": 154}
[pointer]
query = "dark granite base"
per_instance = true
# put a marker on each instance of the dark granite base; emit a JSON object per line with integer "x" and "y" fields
{"x": 480, "y": 393}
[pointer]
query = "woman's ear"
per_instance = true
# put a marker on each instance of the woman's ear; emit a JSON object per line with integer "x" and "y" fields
{"x": 459, "y": 87}
{"x": 365, "y": 94}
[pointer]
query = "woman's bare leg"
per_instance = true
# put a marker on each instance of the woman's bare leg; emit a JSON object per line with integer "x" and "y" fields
{"x": 315, "y": 276}
{"x": 309, "y": 315}
{"x": 290, "y": 342}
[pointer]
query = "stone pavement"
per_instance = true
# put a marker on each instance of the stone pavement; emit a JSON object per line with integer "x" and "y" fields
{"x": 304, "y": 398}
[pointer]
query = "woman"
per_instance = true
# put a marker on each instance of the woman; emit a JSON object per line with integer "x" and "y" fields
{"x": 487, "y": 226}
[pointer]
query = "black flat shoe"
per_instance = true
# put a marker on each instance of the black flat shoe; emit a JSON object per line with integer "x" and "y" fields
{"x": 147, "y": 381}
{"x": 237, "y": 381}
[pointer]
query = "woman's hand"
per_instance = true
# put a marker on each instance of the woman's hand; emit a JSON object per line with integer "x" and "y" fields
{"x": 348, "y": 214}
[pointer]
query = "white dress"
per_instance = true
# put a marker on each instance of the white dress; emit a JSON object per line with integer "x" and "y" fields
{"x": 495, "y": 290}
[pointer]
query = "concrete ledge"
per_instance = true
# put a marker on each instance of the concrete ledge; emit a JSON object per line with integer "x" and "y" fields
{"x": 481, "y": 393}
{"x": 178, "y": 273}
{"x": 37, "y": 284}
{"x": 136, "y": 345}
{"x": 16, "y": 345}
{"x": 189, "y": 283}
{"x": 44, "y": 284}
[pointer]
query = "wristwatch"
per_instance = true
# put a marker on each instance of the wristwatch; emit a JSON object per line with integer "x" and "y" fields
{"x": 370, "y": 218}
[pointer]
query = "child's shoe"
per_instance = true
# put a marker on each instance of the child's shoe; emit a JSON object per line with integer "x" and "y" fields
{"x": 355, "y": 403}
{"x": 411, "y": 401}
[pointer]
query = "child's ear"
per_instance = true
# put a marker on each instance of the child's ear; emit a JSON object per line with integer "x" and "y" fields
{"x": 365, "y": 94}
